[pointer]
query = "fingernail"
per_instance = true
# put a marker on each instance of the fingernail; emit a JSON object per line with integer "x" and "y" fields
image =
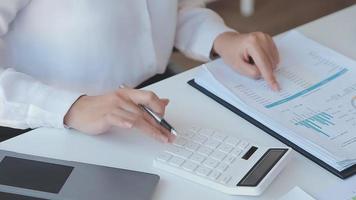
{"x": 164, "y": 139}
{"x": 123, "y": 86}
{"x": 128, "y": 124}
{"x": 276, "y": 87}
{"x": 171, "y": 139}
{"x": 165, "y": 101}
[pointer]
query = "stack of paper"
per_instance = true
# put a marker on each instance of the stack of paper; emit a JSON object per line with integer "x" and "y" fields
{"x": 316, "y": 107}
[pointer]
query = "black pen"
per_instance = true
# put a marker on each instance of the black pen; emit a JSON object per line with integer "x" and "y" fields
{"x": 159, "y": 120}
{"x": 156, "y": 117}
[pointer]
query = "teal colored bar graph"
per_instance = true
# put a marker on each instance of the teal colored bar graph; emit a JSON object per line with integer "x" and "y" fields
{"x": 317, "y": 122}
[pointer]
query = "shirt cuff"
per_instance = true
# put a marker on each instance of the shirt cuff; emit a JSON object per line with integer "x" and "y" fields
{"x": 64, "y": 103}
{"x": 208, "y": 33}
{"x": 51, "y": 107}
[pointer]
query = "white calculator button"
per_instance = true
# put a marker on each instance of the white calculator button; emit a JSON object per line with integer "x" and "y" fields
{"x": 203, "y": 171}
{"x": 187, "y": 134}
{"x": 236, "y": 152}
{"x": 229, "y": 159}
{"x": 189, "y": 166}
{"x": 243, "y": 144}
{"x": 193, "y": 146}
{"x": 199, "y": 138}
{"x": 178, "y": 151}
{"x": 206, "y": 132}
{"x": 212, "y": 143}
{"x": 205, "y": 150}
{"x": 180, "y": 141}
{"x": 197, "y": 158}
{"x": 176, "y": 161}
{"x": 218, "y": 155}
{"x": 222, "y": 167}
{"x": 214, "y": 175}
{"x": 232, "y": 141}
{"x": 218, "y": 136}
{"x": 195, "y": 129}
{"x": 226, "y": 148}
{"x": 164, "y": 157}
{"x": 225, "y": 178}
{"x": 211, "y": 163}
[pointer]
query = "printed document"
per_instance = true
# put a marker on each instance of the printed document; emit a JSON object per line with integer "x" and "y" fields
{"x": 316, "y": 107}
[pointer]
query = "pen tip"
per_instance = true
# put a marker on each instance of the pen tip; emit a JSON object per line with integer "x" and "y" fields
{"x": 174, "y": 132}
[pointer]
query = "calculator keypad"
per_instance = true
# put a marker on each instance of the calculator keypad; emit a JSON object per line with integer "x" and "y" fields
{"x": 204, "y": 152}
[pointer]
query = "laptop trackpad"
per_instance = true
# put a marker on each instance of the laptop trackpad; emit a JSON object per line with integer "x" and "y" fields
{"x": 31, "y": 174}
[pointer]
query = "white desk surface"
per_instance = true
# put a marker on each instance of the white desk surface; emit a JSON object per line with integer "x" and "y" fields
{"x": 133, "y": 150}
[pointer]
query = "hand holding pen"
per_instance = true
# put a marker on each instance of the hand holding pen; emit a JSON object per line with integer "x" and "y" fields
{"x": 160, "y": 121}
{"x": 121, "y": 108}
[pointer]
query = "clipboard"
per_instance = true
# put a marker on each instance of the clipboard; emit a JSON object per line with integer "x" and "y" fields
{"x": 348, "y": 172}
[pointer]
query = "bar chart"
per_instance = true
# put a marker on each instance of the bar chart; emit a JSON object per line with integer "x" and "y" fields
{"x": 317, "y": 122}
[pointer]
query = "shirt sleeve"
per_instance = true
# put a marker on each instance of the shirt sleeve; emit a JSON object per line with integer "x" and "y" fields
{"x": 24, "y": 101}
{"x": 197, "y": 29}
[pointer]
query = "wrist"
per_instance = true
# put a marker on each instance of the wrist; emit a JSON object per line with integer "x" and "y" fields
{"x": 68, "y": 118}
{"x": 222, "y": 41}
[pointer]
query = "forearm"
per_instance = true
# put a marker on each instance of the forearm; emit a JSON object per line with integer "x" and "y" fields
{"x": 197, "y": 30}
{"x": 28, "y": 103}
{"x": 8, "y": 12}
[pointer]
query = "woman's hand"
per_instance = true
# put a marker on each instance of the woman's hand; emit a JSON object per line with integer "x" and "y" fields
{"x": 252, "y": 54}
{"x": 97, "y": 114}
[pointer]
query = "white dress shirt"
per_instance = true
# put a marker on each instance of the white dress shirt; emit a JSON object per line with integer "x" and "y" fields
{"x": 54, "y": 51}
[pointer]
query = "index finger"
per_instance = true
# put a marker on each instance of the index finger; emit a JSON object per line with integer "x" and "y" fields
{"x": 265, "y": 66}
{"x": 152, "y": 130}
{"x": 148, "y": 99}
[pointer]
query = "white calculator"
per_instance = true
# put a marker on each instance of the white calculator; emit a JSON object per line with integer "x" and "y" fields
{"x": 229, "y": 164}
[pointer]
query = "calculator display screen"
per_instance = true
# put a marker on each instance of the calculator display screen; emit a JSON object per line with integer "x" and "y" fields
{"x": 262, "y": 167}
{"x": 35, "y": 175}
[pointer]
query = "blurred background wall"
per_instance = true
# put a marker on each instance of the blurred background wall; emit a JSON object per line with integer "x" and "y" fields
{"x": 270, "y": 16}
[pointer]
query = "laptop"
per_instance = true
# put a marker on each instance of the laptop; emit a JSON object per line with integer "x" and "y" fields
{"x": 29, "y": 177}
